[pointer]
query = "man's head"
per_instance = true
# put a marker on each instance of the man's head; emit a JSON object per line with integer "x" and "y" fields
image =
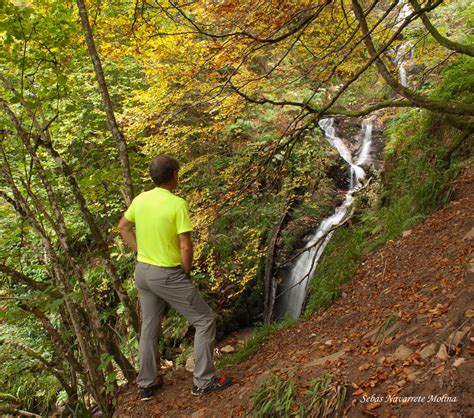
{"x": 164, "y": 171}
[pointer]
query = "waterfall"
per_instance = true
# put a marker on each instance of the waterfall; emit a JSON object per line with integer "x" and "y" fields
{"x": 401, "y": 52}
{"x": 292, "y": 291}
{"x": 363, "y": 156}
{"x": 400, "y": 61}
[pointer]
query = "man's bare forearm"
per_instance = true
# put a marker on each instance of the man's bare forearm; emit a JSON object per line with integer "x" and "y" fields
{"x": 130, "y": 239}
{"x": 186, "y": 250}
{"x": 187, "y": 257}
{"x": 128, "y": 234}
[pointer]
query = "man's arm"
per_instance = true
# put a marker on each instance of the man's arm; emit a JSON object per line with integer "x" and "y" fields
{"x": 125, "y": 228}
{"x": 186, "y": 249}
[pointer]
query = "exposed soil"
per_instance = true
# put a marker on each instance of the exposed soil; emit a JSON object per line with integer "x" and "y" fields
{"x": 402, "y": 328}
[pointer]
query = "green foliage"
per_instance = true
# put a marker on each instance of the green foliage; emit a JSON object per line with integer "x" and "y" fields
{"x": 188, "y": 352}
{"x": 324, "y": 398}
{"x": 338, "y": 263}
{"x": 110, "y": 375}
{"x": 419, "y": 148}
{"x": 458, "y": 82}
{"x": 25, "y": 382}
{"x": 174, "y": 327}
{"x": 424, "y": 153}
{"x": 274, "y": 397}
{"x": 278, "y": 397}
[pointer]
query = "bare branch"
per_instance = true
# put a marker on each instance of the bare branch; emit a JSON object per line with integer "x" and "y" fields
{"x": 453, "y": 108}
{"x": 467, "y": 49}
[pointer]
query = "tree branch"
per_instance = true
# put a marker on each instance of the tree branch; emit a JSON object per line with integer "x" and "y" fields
{"x": 333, "y": 111}
{"x": 28, "y": 281}
{"x": 448, "y": 107}
{"x": 245, "y": 34}
{"x": 466, "y": 49}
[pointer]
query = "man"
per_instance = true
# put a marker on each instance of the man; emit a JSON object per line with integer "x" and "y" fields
{"x": 162, "y": 241}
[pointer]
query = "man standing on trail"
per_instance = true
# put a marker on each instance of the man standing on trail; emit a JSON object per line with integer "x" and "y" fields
{"x": 162, "y": 241}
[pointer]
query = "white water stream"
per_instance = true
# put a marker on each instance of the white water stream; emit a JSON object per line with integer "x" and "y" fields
{"x": 292, "y": 291}
{"x": 404, "y": 49}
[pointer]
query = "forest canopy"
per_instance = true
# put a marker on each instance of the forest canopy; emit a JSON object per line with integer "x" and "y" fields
{"x": 91, "y": 91}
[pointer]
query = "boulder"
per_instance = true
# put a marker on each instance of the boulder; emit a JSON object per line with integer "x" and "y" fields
{"x": 428, "y": 351}
{"x": 401, "y": 353}
{"x": 189, "y": 364}
{"x": 442, "y": 353}
{"x": 228, "y": 349}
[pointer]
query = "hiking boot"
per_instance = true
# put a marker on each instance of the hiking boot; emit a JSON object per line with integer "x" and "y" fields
{"x": 147, "y": 393}
{"x": 217, "y": 384}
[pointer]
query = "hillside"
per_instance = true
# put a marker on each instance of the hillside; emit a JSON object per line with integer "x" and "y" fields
{"x": 402, "y": 328}
{"x": 308, "y": 138}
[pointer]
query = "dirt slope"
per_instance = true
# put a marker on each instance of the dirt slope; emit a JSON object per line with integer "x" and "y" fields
{"x": 402, "y": 328}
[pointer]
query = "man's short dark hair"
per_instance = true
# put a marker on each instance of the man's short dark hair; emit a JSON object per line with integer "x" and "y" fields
{"x": 162, "y": 169}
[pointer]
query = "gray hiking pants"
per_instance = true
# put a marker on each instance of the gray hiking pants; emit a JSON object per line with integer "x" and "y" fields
{"x": 156, "y": 287}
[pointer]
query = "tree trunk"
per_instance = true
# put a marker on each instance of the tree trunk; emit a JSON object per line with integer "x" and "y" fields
{"x": 270, "y": 284}
{"x": 97, "y": 236}
{"x": 93, "y": 375}
{"x": 117, "y": 134}
{"x": 88, "y": 217}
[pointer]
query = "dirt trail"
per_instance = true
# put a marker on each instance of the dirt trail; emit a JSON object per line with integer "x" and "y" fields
{"x": 424, "y": 279}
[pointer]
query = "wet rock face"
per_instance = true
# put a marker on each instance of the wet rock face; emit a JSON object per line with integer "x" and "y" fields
{"x": 337, "y": 172}
{"x": 349, "y": 130}
{"x": 378, "y": 144}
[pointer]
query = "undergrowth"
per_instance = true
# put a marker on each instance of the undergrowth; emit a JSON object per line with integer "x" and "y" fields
{"x": 262, "y": 334}
{"x": 274, "y": 397}
{"x": 423, "y": 155}
{"x": 290, "y": 397}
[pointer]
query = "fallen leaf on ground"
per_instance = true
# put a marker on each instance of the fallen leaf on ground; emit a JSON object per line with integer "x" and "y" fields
{"x": 393, "y": 390}
{"x": 381, "y": 376}
{"x": 373, "y": 405}
{"x": 459, "y": 361}
{"x": 371, "y": 413}
{"x": 439, "y": 369}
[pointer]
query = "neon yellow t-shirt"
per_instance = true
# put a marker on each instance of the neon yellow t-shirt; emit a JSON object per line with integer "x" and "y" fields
{"x": 159, "y": 217}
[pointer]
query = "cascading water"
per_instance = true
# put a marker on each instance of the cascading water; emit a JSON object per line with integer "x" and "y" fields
{"x": 404, "y": 49}
{"x": 292, "y": 291}
{"x": 400, "y": 60}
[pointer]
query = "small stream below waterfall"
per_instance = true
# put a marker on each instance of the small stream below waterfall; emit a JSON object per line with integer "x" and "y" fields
{"x": 291, "y": 293}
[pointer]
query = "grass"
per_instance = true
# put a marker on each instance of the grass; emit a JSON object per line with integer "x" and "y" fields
{"x": 390, "y": 321}
{"x": 339, "y": 262}
{"x": 423, "y": 158}
{"x": 278, "y": 397}
{"x": 324, "y": 398}
{"x": 274, "y": 397}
